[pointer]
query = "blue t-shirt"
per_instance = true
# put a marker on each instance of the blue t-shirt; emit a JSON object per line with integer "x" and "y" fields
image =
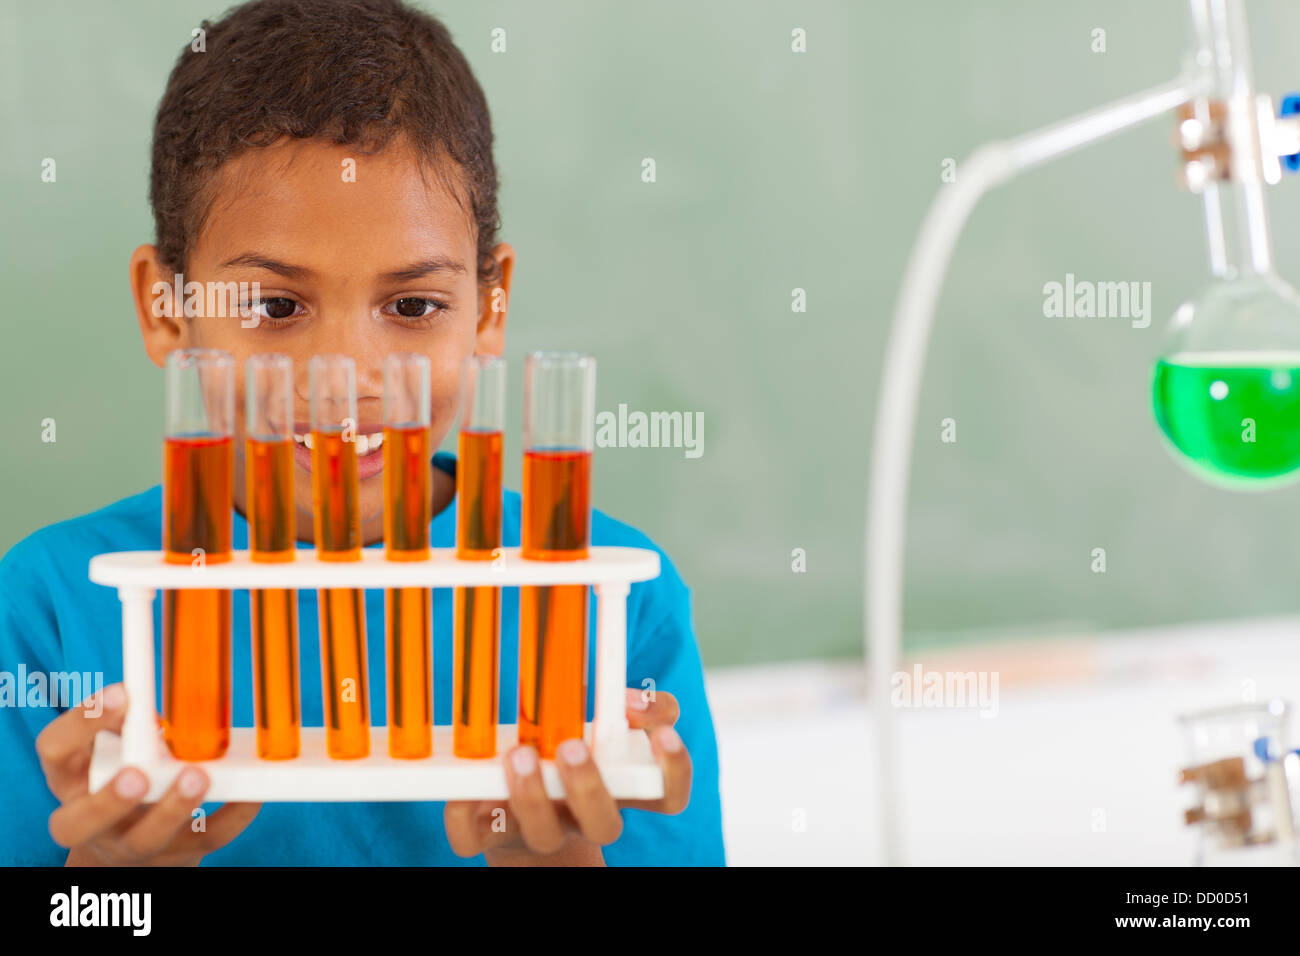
{"x": 54, "y": 620}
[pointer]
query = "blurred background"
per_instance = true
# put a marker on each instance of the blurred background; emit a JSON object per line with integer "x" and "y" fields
{"x": 776, "y": 171}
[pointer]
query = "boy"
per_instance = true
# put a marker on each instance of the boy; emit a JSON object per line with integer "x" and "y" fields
{"x": 338, "y": 155}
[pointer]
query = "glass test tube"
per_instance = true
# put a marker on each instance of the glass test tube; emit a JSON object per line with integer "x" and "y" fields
{"x": 198, "y": 479}
{"x": 407, "y": 409}
{"x": 268, "y": 469}
{"x": 335, "y": 490}
{"x": 559, "y": 411}
{"x": 478, "y": 537}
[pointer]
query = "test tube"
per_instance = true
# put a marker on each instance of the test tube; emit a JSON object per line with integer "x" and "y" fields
{"x": 559, "y": 407}
{"x": 268, "y": 471}
{"x": 478, "y": 538}
{"x": 335, "y": 490}
{"x": 407, "y": 407}
{"x": 198, "y": 478}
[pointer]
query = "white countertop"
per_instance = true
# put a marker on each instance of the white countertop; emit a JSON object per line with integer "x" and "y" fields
{"x": 1079, "y": 765}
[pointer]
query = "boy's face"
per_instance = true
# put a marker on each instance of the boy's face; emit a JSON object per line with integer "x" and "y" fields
{"x": 363, "y": 261}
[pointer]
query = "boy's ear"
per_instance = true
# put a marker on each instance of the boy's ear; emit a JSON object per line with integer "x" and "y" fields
{"x": 494, "y": 303}
{"x": 159, "y": 316}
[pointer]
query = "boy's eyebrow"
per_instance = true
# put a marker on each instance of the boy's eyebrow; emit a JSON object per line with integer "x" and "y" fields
{"x": 271, "y": 265}
{"x": 417, "y": 270}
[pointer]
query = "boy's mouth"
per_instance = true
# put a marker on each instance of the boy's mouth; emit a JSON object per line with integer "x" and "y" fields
{"x": 370, "y": 452}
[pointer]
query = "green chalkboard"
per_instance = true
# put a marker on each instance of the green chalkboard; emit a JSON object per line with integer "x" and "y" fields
{"x": 775, "y": 171}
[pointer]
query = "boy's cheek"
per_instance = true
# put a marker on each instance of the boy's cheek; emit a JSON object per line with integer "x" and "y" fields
{"x": 446, "y": 406}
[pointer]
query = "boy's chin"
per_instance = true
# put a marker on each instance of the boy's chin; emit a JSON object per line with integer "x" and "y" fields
{"x": 371, "y": 464}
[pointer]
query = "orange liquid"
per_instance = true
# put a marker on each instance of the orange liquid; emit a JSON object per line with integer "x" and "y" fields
{"x": 276, "y": 704}
{"x": 198, "y": 478}
{"x": 553, "y": 620}
{"x": 406, "y": 493}
{"x": 477, "y": 610}
{"x": 409, "y": 610}
{"x": 337, "y": 522}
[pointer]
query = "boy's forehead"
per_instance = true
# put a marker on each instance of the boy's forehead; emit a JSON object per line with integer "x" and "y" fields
{"x": 309, "y": 198}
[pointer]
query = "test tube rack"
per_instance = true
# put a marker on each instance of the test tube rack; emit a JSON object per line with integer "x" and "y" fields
{"x": 623, "y": 755}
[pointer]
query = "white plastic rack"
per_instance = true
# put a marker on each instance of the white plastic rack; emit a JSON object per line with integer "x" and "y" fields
{"x": 623, "y": 755}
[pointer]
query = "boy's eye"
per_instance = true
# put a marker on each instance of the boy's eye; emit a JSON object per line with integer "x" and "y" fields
{"x": 279, "y": 308}
{"x": 273, "y": 308}
{"x": 413, "y": 307}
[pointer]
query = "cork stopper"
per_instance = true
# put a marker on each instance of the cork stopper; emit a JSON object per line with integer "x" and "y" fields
{"x": 1203, "y": 145}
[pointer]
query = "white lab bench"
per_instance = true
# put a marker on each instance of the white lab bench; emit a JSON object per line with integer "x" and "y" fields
{"x": 1078, "y": 767}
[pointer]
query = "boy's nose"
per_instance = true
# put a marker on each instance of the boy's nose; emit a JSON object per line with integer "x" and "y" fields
{"x": 370, "y": 377}
{"x": 369, "y": 374}
{"x": 348, "y": 336}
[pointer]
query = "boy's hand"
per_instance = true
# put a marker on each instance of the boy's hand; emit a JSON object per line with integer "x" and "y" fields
{"x": 111, "y": 827}
{"x": 539, "y": 830}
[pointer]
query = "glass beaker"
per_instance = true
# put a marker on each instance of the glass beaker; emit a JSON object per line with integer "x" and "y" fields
{"x": 1243, "y": 810}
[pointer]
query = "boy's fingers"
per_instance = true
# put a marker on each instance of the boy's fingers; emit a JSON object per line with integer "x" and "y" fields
{"x": 657, "y": 718}
{"x": 532, "y": 808}
{"x": 474, "y": 827}
{"x": 223, "y": 826}
{"x": 675, "y": 763}
{"x": 63, "y": 746}
{"x": 159, "y": 826}
{"x": 673, "y": 758}
{"x": 586, "y": 795}
{"x": 87, "y": 816}
{"x": 460, "y": 821}
{"x": 646, "y": 709}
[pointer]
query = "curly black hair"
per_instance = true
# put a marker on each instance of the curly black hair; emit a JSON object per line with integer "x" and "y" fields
{"x": 353, "y": 72}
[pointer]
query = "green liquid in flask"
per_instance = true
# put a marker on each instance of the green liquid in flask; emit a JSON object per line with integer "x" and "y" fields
{"x": 1234, "y": 416}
